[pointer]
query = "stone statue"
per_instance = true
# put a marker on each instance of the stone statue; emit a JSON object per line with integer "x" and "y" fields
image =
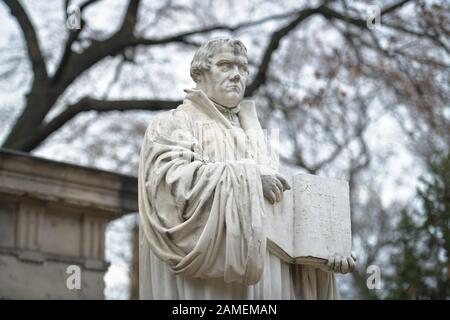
{"x": 204, "y": 173}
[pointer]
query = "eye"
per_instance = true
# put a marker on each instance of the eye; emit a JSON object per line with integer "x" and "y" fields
{"x": 243, "y": 68}
{"x": 226, "y": 65}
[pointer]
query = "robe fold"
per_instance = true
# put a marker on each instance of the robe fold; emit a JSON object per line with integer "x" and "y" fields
{"x": 201, "y": 210}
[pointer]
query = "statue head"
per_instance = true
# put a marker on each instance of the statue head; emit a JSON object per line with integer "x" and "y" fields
{"x": 220, "y": 70}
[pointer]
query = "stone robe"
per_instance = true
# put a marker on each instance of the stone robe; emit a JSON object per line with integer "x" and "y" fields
{"x": 202, "y": 214}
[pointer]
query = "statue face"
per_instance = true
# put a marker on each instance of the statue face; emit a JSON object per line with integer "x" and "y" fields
{"x": 224, "y": 83}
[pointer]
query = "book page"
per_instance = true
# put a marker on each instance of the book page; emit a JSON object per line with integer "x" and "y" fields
{"x": 322, "y": 225}
{"x": 279, "y": 224}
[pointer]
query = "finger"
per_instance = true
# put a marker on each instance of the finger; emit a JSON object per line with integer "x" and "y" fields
{"x": 278, "y": 193}
{"x": 272, "y": 197}
{"x": 351, "y": 264}
{"x": 330, "y": 263}
{"x": 344, "y": 265}
{"x": 268, "y": 196}
{"x": 337, "y": 264}
{"x": 279, "y": 184}
{"x": 277, "y": 187}
{"x": 283, "y": 181}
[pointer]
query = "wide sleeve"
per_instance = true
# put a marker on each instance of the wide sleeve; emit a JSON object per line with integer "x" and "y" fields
{"x": 204, "y": 219}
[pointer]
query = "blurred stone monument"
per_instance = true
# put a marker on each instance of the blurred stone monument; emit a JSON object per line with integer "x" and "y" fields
{"x": 52, "y": 216}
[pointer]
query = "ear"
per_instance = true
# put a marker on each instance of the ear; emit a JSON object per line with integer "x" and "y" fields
{"x": 198, "y": 77}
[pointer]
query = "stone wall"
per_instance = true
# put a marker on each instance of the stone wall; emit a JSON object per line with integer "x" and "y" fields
{"x": 53, "y": 215}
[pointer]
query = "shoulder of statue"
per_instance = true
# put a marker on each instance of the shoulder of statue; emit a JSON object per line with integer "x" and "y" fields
{"x": 168, "y": 121}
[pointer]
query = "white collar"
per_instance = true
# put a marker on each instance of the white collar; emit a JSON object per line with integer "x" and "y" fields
{"x": 247, "y": 110}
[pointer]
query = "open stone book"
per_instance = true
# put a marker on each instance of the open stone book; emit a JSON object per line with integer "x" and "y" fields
{"x": 312, "y": 222}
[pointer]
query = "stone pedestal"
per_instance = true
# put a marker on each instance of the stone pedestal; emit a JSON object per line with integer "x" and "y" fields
{"x": 53, "y": 215}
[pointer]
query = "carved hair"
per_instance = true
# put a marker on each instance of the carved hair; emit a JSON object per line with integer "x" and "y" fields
{"x": 202, "y": 58}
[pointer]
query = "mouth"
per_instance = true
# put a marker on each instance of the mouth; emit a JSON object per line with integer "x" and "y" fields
{"x": 234, "y": 87}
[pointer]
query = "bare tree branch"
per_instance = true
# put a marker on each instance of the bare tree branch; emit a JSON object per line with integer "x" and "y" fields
{"x": 333, "y": 14}
{"x": 394, "y": 7}
{"x": 73, "y": 36}
{"x": 90, "y": 104}
{"x": 275, "y": 40}
{"x": 278, "y": 35}
{"x": 182, "y": 37}
{"x": 124, "y": 38}
{"x": 43, "y": 93}
{"x": 418, "y": 34}
{"x": 114, "y": 45}
{"x": 75, "y": 64}
{"x": 34, "y": 51}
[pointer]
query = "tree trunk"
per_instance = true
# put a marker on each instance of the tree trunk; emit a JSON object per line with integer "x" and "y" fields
{"x": 39, "y": 101}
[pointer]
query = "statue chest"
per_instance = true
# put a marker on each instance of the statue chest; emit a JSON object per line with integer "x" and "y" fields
{"x": 218, "y": 143}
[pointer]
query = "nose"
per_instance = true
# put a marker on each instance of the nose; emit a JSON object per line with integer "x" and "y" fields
{"x": 235, "y": 75}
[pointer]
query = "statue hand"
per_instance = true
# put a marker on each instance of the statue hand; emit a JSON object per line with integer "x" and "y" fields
{"x": 341, "y": 264}
{"x": 274, "y": 186}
